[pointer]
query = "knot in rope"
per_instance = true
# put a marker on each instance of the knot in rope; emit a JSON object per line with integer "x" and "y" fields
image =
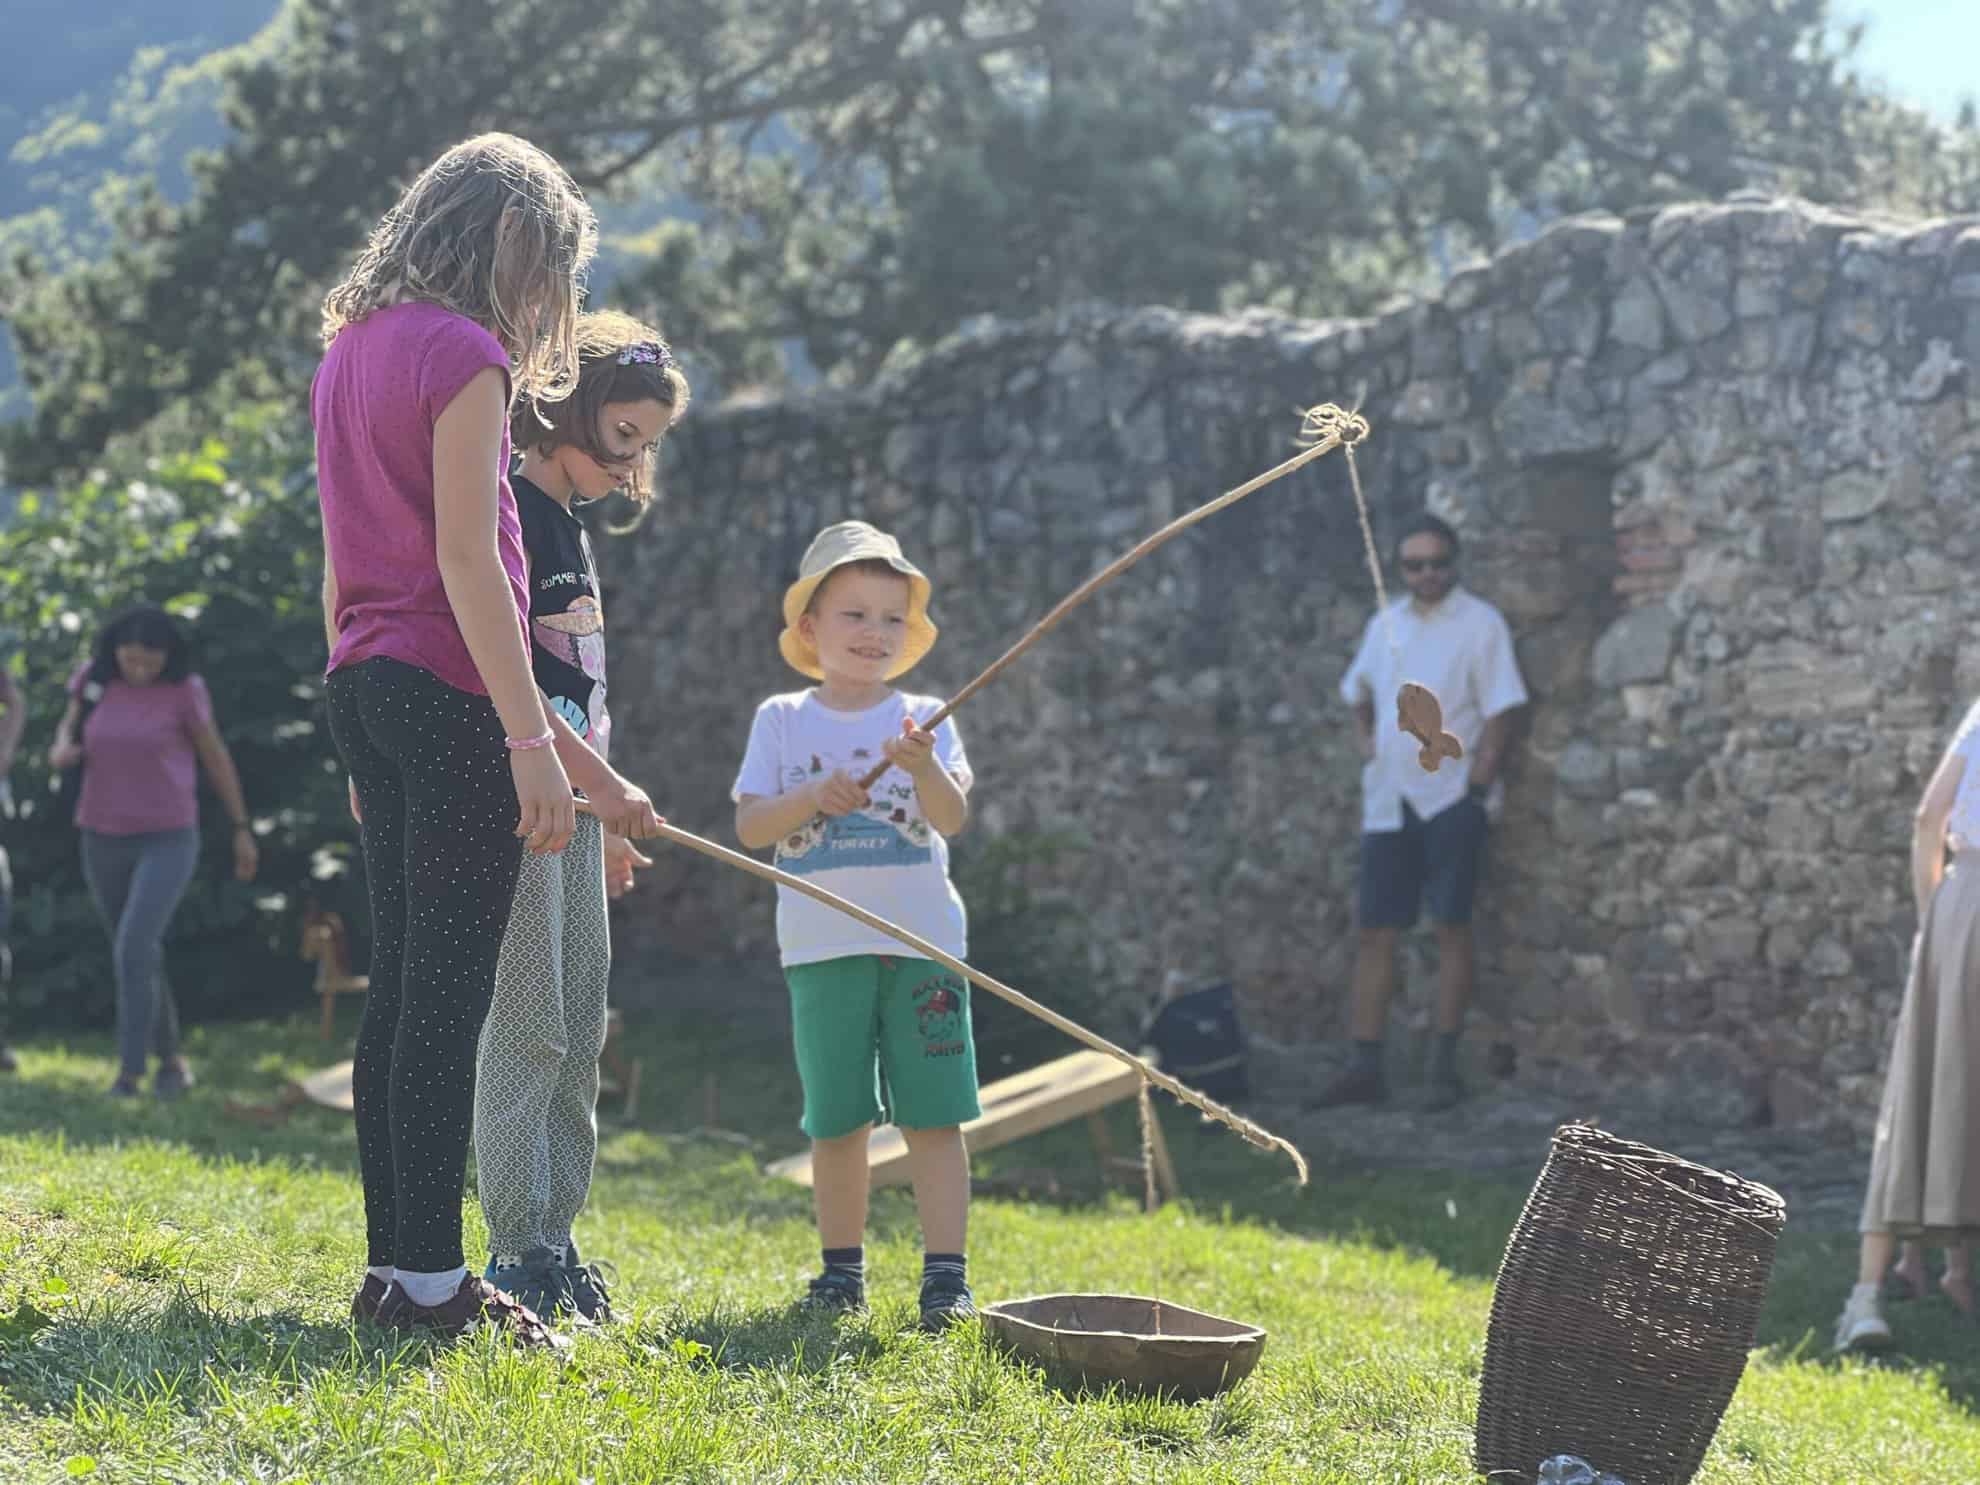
{"x": 1326, "y": 420}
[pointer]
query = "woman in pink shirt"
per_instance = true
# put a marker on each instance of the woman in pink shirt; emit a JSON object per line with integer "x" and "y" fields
{"x": 140, "y": 725}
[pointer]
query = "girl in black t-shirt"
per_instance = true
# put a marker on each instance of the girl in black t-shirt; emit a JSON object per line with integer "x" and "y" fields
{"x": 536, "y": 1085}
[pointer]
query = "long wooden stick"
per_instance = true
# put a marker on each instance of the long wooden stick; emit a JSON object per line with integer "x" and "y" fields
{"x": 1325, "y": 428}
{"x": 1203, "y": 1103}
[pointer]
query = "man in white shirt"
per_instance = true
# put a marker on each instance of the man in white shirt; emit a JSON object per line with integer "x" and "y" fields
{"x": 1423, "y": 834}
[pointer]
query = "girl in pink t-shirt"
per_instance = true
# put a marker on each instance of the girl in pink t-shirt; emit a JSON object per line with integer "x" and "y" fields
{"x": 464, "y": 298}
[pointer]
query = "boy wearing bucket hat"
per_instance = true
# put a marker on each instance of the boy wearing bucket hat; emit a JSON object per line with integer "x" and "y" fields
{"x": 879, "y": 1032}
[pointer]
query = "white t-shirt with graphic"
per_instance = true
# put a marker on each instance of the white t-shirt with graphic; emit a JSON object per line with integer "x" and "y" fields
{"x": 885, "y": 857}
{"x": 1463, "y": 651}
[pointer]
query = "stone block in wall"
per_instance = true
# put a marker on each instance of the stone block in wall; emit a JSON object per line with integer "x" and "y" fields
{"x": 1636, "y": 316}
{"x": 1697, "y": 290}
{"x": 1854, "y": 494}
{"x": 1637, "y": 647}
{"x": 1796, "y": 681}
{"x": 1728, "y": 943}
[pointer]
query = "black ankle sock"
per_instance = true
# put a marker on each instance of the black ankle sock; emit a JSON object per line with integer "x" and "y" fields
{"x": 934, "y": 1264}
{"x": 847, "y": 1263}
{"x": 1443, "y": 1057}
{"x": 1368, "y": 1059}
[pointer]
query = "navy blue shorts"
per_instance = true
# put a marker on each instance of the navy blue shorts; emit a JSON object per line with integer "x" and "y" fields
{"x": 1428, "y": 863}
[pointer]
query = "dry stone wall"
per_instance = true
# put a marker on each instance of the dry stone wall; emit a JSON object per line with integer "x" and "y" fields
{"x": 1717, "y": 465}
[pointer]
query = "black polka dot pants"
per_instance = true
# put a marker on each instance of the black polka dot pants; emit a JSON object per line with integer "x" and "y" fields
{"x": 536, "y": 1090}
{"x": 440, "y": 860}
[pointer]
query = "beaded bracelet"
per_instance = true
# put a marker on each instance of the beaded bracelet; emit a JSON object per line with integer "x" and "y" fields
{"x": 524, "y": 744}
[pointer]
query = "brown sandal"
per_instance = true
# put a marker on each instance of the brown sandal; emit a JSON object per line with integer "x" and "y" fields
{"x": 475, "y": 1304}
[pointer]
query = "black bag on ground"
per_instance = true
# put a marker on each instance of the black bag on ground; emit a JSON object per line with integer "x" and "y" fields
{"x": 1199, "y": 1042}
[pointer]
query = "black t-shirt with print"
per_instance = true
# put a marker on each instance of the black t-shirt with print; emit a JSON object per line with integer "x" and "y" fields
{"x": 566, "y": 620}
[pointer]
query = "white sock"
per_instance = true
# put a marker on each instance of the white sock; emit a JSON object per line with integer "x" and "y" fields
{"x": 427, "y": 1290}
{"x": 1866, "y": 1291}
{"x": 382, "y": 1272}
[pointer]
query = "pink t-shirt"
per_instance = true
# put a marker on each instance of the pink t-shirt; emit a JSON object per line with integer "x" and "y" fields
{"x": 140, "y": 772}
{"x": 383, "y": 384}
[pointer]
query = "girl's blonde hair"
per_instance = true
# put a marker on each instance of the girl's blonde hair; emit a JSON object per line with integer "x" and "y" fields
{"x": 494, "y": 230}
{"x": 619, "y": 359}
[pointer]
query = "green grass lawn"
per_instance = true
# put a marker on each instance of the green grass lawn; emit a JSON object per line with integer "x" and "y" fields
{"x": 173, "y": 1282}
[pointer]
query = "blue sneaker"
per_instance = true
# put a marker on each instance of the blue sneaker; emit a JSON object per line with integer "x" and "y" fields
{"x": 589, "y": 1294}
{"x": 945, "y": 1300}
{"x": 537, "y": 1283}
{"x": 835, "y": 1293}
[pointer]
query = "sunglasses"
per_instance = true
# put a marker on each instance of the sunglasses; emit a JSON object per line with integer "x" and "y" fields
{"x": 1418, "y": 564}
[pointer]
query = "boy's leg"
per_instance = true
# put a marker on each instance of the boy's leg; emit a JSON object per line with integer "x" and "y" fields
{"x": 834, "y": 1034}
{"x": 928, "y": 1053}
{"x": 518, "y": 1059}
{"x": 572, "y": 1125}
{"x": 939, "y": 1163}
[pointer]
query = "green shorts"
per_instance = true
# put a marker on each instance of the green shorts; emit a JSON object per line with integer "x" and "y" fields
{"x": 880, "y": 1038}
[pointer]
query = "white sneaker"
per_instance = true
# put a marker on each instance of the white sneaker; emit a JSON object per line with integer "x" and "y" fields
{"x": 1861, "y": 1326}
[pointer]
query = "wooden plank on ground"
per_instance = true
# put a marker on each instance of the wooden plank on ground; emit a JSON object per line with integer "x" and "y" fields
{"x": 1025, "y": 1103}
{"x": 330, "y": 1086}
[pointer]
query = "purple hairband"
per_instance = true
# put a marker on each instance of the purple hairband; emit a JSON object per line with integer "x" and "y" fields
{"x": 647, "y": 353}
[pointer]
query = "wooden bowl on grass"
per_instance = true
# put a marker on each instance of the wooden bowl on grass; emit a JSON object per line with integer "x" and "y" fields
{"x": 1141, "y": 1345}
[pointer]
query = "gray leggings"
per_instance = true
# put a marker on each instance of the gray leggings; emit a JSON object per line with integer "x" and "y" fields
{"x": 137, "y": 881}
{"x": 536, "y": 1086}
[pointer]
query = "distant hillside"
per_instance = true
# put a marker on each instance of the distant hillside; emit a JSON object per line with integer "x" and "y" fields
{"x": 114, "y": 92}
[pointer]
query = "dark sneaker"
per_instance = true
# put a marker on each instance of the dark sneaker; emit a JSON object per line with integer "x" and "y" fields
{"x": 174, "y": 1077}
{"x": 589, "y": 1294}
{"x": 538, "y": 1283}
{"x": 1351, "y": 1087}
{"x": 475, "y": 1304}
{"x": 8, "y": 1062}
{"x": 837, "y": 1294}
{"x": 945, "y": 1300}
{"x": 125, "y": 1088}
{"x": 370, "y": 1295}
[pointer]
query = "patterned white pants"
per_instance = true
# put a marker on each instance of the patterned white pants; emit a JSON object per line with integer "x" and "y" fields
{"x": 536, "y": 1080}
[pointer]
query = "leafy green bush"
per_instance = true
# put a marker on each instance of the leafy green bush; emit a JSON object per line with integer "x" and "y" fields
{"x": 226, "y": 536}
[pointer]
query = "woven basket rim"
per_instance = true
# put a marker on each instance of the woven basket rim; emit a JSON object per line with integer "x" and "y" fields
{"x": 1741, "y": 1198}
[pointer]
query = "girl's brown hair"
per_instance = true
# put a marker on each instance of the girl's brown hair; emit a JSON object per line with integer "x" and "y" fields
{"x": 494, "y": 230}
{"x": 619, "y": 359}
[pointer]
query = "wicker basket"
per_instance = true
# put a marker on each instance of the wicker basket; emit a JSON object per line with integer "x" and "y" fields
{"x": 1624, "y": 1310}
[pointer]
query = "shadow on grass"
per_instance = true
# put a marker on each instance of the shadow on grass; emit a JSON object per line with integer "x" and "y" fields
{"x": 184, "y": 1354}
{"x": 785, "y": 1339}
